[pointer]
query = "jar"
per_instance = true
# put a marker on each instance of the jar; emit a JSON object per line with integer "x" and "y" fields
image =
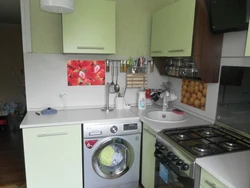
{"x": 173, "y": 71}
{"x": 177, "y": 71}
{"x": 170, "y": 71}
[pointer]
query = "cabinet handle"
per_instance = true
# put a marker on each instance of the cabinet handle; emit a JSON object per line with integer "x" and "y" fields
{"x": 52, "y": 134}
{"x": 149, "y": 132}
{"x": 89, "y": 48}
{"x": 212, "y": 185}
{"x": 156, "y": 51}
{"x": 180, "y": 50}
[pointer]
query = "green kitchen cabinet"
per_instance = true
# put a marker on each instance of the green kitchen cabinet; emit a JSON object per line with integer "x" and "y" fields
{"x": 46, "y": 30}
{"x": 148, "y": 159}
{"x": 159, "y": 32}
{"x": 53, "y": 156}
{"x": 187, "y": 34}
{"x": 247, "y": 51}
{"x": 90, "y": 28}
{"x": 180, "y": 34}
{"x": 207, "y": 180}
{"x": 172, "y": 30}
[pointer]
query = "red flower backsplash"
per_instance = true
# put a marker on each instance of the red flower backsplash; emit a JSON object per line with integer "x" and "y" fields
{"x": 86, "y": 72}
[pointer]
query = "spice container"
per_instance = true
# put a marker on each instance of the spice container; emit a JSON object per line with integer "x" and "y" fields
{"x": 177, "y": 71}
{"x": 125, "y": 66}
{"x": 107, "y": 65}
{"x": 151, "y": 66}
{"x": 121, "y": 66}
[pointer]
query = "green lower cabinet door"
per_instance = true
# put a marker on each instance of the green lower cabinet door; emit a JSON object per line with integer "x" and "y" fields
{"x": 247, "y": 51}
{"x": 90, "y": 28}
{"x": 208, "y": 180}
{"x": 148, "y": 159}
{"x": 181, "y": 27}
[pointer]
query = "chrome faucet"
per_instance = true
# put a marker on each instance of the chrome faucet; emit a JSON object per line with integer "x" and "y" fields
{"x": 167, "y": 97}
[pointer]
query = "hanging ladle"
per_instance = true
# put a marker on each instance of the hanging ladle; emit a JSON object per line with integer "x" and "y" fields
{"x": 112, "y": 85}
{"x": 117, "y": 87}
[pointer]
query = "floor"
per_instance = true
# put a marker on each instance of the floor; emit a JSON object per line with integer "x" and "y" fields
{"x": 12, "y": 171}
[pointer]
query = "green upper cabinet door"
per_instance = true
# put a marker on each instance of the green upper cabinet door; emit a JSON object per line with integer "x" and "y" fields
{"x": 90, "y": 28}
{"x": 172, "y": 30}
{"x": 46, "y": 30}
{"x": 180, "y": 34}
{"x": 247, "y": 51}
{"x": 160, "y": 23}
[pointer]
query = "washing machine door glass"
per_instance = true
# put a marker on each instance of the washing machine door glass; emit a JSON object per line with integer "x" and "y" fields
{"x": 113, "y": 158}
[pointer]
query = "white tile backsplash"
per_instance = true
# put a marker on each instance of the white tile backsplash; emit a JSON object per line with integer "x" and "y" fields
{"x": 46, "y": 79}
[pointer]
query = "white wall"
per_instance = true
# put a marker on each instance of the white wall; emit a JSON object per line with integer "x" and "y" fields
{"x": 46, "y": 78}
{"x": 232, "y": 55}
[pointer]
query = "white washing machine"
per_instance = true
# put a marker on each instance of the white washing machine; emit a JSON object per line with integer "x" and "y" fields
{"x": 111, "y": 154}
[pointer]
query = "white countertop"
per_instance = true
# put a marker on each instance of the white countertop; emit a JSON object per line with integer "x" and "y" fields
{"x": 232, "y": 169}
{"x": 66, "y": 117}
{"x": 192, "y": 120}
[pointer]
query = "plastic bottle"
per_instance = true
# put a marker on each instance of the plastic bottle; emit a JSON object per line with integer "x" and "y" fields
{"x": 142, "y": 100}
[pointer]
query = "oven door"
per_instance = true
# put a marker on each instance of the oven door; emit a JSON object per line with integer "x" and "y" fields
{"x": 167, "y": 173}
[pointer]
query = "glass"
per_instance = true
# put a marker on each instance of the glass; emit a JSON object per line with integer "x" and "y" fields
{"x": 233, "y": 107}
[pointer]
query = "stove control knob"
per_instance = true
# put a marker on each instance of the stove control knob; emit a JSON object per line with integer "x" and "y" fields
{"x": 179, "y": 162}
{"x": 162, "y": 147}
{"x": 174, "y": 158}
{"x": 157, "y": 145}
{"x": 170, "y": 154}
{"x": 184, "y": 167}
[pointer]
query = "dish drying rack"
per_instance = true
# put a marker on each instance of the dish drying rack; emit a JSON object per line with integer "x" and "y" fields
{"x": 165, "y": 86}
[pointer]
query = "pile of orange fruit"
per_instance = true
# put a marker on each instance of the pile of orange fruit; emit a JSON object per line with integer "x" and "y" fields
{"x": 194, "y": 94}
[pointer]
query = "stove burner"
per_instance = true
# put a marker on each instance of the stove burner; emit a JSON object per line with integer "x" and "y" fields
{"x": 230, "y": 145}
{"x": 201, "y": 149}
{"x": 182, "y": 137}
{"x": 208, "y": 133}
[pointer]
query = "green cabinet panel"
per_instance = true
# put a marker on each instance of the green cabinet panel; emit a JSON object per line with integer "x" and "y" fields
{"x": 148, "y": 159}
{"x": 46, "y": 30}
{"x": 172, "y": 30}
{"x": 160, "y": 24}
{"x": 208, "y": 181}
{"x": 180, "y": 34}
{"x": 247, "y": 51}
{"x": 90, "y": 28}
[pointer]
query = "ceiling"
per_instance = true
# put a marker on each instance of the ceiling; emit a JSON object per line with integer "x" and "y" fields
{"x": 10, "y": 11}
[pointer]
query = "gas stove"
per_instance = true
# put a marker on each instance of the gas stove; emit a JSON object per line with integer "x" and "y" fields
{"x": 206, "y": 140}
{"x": 181, "y": 146}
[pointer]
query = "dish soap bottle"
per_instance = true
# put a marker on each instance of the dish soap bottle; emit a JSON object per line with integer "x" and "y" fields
{"x": 142, "y": 100}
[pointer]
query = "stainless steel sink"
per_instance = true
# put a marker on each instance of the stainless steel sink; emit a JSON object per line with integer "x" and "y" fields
{"x": 164, "y": 116}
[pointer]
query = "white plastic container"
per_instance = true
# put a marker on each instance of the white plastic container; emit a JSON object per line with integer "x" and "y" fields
{"x": 57, "y": 6}
{"x": 142, "y": 100}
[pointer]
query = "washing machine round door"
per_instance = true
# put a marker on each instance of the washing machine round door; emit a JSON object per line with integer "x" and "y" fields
{"x": 113, "y": 158}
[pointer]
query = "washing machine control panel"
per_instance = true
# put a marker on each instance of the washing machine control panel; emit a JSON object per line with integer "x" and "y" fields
{"x": 95, "y": 130}
{"x": 131, "y": 126}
